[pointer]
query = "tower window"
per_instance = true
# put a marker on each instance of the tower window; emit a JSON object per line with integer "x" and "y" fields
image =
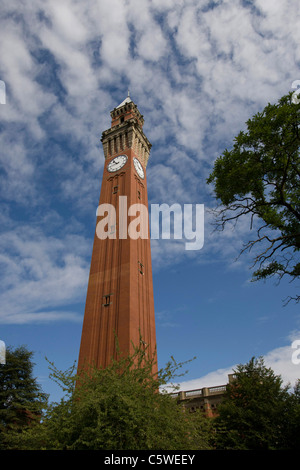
{"x": 122, "y": 119}
{"x": 141, "y": 268}
{"x": 139, "y": 194}
{"x": 107, "y": 300}
{"x": 115, "y": 189}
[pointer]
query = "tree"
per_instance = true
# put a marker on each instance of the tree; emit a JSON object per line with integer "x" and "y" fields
{"x": 117, "y": 408}
{"x": 21, "y": 398}
{"x": 293, "y": 421}
{"x": 256, "y": 410}
{"x": 260, "y": 178}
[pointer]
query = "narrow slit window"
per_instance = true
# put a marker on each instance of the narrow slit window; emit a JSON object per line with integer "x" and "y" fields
{"x": 115, "y": 189}
{"x": 107, "y": 300}
{"x": 139, "y": 194}
{"x": 141, "y": 268}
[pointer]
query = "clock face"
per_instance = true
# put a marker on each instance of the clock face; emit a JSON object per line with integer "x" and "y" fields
{"x": 139, "y": 168}
{"x": 117, "y": 163}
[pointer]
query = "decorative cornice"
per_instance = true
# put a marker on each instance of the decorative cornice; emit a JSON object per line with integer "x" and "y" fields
{"x": 125, "y": 136}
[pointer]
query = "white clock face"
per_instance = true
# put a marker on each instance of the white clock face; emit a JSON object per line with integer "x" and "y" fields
{"x": 117, "y": 163}
{"x": 139, "y": 168}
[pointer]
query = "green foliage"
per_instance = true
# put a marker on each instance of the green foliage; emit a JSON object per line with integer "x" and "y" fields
{"x": 260, "y": 178}
{"x": 257, "y": 410}
{"x": 117, "y": 408}
{"x": 21, "y": 399}
{"x": 127, "y": 407}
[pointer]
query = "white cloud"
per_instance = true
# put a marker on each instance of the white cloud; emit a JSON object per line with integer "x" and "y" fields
{"x": 152, "y": 44}
{"x": 197, "y": 73}
{"x": 75, "y": 72}
{"x": 25, "y": 98}
{"x": 67, "y": 20}
{"x": 279, "y": 360}
{"x": 40, "y": 273}
{"x": 18, "y": 170}
{"x": 166, "y": 180}
{"x": 21, "y": 318}
{"x": 114, "y": 33}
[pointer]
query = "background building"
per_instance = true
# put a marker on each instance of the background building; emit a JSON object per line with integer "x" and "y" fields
{"x": 207, "y": 399}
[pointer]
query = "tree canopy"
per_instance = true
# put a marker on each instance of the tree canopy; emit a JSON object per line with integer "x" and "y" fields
{"x": 258, "y": 411}
{"x": 21, "y": 398}
{"x": 120, "y": 407}
{"x": 126, "y": 407}
{"x": 260, "y": 178}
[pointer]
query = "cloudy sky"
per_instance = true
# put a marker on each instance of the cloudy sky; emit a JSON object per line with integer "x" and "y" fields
{"x": 197, "y": 71}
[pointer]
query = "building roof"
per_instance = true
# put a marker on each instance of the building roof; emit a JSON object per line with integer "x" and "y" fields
{"x": 127, "y": 100}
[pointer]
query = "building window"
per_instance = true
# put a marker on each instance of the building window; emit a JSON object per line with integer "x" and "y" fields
{"x": 107, "y": 300}
{"x": 115, "y": 189}
{"x": 139, "y": 194}
{"x": 141, "y": 268}
{"x": 122, "y": 119}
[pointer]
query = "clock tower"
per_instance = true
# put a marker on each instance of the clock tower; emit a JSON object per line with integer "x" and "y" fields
{"x": 119, "y": 311}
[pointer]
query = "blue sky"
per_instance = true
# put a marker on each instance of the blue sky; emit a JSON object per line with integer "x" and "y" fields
{"x": 197, "y": 71}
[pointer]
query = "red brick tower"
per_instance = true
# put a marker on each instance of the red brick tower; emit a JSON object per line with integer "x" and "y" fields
{"x": 119, "y": 300}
